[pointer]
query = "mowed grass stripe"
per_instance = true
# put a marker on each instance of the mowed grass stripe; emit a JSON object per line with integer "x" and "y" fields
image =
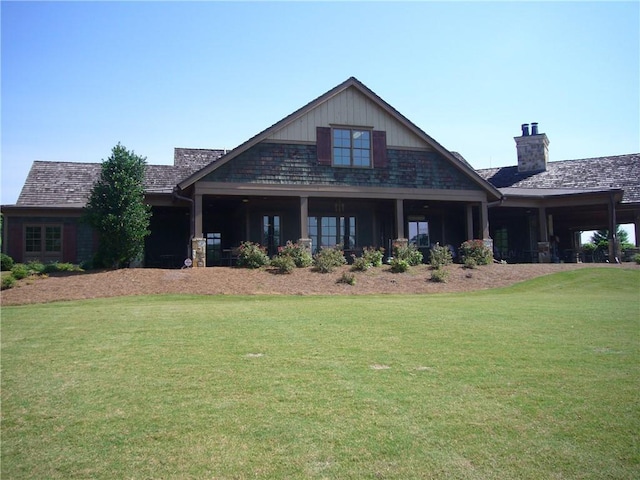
{"x": 539, "y": 380}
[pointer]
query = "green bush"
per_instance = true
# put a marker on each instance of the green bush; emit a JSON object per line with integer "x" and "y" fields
{"x": 8, "y": 281}
{"x": 470, "y": 262}
{"x": 299, "y": 253}
{"x": 360, "y": 264}
{"x": 283, "y": 264}
{"x": 60, "y": 267}
{"x": 373, "y": 256}
{"x": 476, "y": 250}
{"x": 440, "y": 256}
{"x": 19, "y": 271}
{"x": 409, "y": 253}
{"x": 35, "y": 268}
{"x": 6, "y": 262}
{"x": 252, "y": 255}
{"x": 398, "y": 265}
{"x": 439, "y": 275}
{"x": 348, "y": 278}
{"x": 328, "y": 259}
{"x": 636, "y": 258}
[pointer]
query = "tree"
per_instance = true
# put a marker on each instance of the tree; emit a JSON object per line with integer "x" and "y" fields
{"x": 116, "y": 209}
{"x": 600, "y": 238}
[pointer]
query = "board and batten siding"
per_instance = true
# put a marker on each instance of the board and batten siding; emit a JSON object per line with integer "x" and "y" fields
{"x": 349, "y": 107}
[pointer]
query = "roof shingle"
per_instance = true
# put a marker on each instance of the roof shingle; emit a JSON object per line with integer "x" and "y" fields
{"x": 620, "y": 171}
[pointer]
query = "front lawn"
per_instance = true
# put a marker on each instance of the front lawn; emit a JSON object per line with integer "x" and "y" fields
{"x": 539, "y": 380}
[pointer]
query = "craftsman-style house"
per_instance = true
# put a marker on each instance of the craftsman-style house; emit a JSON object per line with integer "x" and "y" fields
{"x": 347, "y": 168}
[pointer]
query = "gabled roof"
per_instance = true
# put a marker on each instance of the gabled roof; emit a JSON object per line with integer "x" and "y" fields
{"x": 575, "y": 176}
{"x": 68, "y": 184}
{"x": 351, "y": 82}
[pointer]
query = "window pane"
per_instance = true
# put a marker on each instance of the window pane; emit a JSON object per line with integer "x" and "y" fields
{"x": 33, "y": 239}
{"x": 341, "y": 156}
{"x": 419, "y": 233}
{"x": 53, "y": 239}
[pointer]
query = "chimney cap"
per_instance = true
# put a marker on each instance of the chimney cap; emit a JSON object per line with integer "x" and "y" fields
{"x": 534, "y": 128}
{"x": 525, "y": 129}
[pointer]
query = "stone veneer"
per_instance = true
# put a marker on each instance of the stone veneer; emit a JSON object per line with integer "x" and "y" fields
{"x": 533, "y": 152}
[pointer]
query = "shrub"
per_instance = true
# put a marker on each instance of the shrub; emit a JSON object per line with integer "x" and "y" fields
{"x": 398, "y": 265}
{"x": 19, "y": 271}
{"x": 373, "y": 256}
{"x": 60, "y": 267}
{"x": 409, "y": 253}
{"x": 252, "y": 255}
{"x": 299, "y": 253}
{"x": 283, "y": 264}
{"x": 470, "y": 262}
{"x": 477, "y": 250}
{"x": 328, "y": 259}
{"x": 440, "y": 256}
{"x": 35, "y": 268}
{"x": 348, "y": 278}
{"x": 636, "y": 258}
{"x": 8, "y": 281}
{"x": 360, "y": 264}
{"x": 6, "y": 262}
{"x": 439, "y": 275}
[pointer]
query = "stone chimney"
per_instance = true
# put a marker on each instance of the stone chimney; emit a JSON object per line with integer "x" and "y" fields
{"x": 533, "y": 150}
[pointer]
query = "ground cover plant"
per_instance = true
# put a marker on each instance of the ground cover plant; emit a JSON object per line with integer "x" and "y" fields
{"x": 538, "y": 380}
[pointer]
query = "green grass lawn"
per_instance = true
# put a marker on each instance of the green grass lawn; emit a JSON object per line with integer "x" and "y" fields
{"x": 537, "y": 381}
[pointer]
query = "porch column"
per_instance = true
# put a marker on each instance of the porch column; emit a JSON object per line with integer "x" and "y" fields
{"x": 304, "y": 224}
{"x": 636, "y": 224}
{"x": 470, "y": 233}
{"x": 544, "y": 252}
{"x": 198, "y": 216}
{"x": 614, "y": 243}
{"x": 400, "y": 218}
{"x": 484, "y": 220}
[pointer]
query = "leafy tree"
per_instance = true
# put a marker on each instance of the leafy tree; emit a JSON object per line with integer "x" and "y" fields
{"x": 600, "y": 238}
{"x": 116, "y": 208}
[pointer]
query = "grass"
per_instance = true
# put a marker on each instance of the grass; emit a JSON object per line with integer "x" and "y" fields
{"x": 539, "y": 380}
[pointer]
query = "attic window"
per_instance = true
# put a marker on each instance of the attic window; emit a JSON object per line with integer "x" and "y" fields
{"x": 351, "y": 147}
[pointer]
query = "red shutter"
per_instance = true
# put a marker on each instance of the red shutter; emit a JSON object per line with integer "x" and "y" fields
{"x": 379, "y": 149}
{"x": 323, "y": 145}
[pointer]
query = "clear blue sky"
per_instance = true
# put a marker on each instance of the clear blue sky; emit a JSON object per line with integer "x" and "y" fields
{"x": 79, "y": 77}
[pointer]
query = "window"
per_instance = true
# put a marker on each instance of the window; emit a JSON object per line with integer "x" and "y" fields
{"x": 43, "y": 242}
{"x": 331, "y": 231}
{"x": 351, "y": 147}
{"x": 419, "y": 233}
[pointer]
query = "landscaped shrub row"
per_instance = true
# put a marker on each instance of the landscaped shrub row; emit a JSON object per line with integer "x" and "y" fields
{"x": 22, "y": 270}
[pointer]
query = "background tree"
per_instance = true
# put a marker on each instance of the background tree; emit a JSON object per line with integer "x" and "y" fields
{"x": 600, "y": 238}
{"x": 116, "y": 209}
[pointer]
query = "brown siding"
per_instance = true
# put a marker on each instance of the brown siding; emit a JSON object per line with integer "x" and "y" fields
{"x": 70, "y": 243}
{"x": 15, "y": 245}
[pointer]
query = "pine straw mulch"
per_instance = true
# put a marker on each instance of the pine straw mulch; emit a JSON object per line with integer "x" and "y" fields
{"x": 237, "y": 281}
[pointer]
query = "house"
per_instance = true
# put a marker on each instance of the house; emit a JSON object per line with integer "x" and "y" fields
{"x": 347, "y": 168}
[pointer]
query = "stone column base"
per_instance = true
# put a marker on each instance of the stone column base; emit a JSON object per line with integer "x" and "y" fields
{"x": 544, "y": 252}
{"x": 199, "y": 252}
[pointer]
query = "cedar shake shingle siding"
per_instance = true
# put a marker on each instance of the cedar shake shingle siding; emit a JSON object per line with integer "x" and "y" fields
{"x": 621, "y": 171}
{"x": 275, "y": 163}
